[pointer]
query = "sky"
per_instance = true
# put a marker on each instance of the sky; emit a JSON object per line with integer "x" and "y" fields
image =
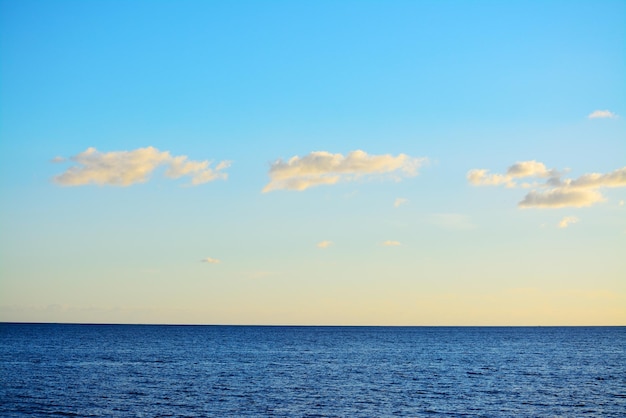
{"x": 313, "y": 162}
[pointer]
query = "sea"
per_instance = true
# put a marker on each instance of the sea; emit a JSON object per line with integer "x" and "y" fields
{"x": 72, "y": 370}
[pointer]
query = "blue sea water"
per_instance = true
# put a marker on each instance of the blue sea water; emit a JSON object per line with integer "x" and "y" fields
{"x": 249, "y": 371}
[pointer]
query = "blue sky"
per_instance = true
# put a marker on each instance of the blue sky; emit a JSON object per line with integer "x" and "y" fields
{"x": 429, "y": 91}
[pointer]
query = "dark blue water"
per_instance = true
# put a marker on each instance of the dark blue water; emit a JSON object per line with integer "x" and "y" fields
{"x": 223, "y": 371}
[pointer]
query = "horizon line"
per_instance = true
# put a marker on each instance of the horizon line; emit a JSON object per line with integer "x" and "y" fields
{"x": 302, "y": 325}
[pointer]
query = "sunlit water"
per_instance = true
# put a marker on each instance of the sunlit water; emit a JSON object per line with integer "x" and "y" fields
{"x": 224, "y": 371}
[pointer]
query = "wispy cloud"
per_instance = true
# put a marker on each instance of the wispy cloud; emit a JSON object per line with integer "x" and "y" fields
{"x": 324, "y": 244}
{"x": 602, "y": 114}
{"x": 124, "y": 168}
{"x": 551, "y": 190}
{"x": 391, "y": 243}
{"x": 399, "y": 202}
{"x": 321, "y": 167}
{"x": 566, "y": 221}
{"x": 211, "y": 260}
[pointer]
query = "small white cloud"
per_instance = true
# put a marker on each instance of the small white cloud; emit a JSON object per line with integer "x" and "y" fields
{"x": 391, "y": 243}
{"x": 566, "y": 221}
{"x": 58, "y": 160}
{"x": 323, "y": 168}
{"x": 124, "y": 168}
{"x": 324, "y": 244}
{"x": 602, "y": 114}
{"x": 399, "y": 202}
{"x": 211, "y": 260}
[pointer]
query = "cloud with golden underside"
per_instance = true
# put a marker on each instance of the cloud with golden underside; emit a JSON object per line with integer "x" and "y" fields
{"x": 125, "y": 168}
{"x": 549, "y": 189}
{"x": 323, "y": 168}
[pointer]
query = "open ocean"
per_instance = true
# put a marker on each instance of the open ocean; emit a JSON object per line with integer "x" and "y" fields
{"x": 250, "y": 371}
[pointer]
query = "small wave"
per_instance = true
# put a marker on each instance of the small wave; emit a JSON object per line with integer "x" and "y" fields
{"x": 67, "y": 414}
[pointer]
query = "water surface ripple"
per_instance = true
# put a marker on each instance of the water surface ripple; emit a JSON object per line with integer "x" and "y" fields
{"x": 245, "y": 371}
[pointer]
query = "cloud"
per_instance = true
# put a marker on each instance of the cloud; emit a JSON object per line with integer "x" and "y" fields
{"x": 198, "y": 170}
{"x": 522, "y": 169}
{"x": 324, "y": 244}
{"x": 601, "y": 114}
{"x": 481, "y": 177}
{"x": 211, "y": 260}
{"x": 391, "y": 243}
{"x": 323, "y": 168}
{"x": 551, "y": 191}
{"x": 58, "y": 159}
{"x": 124, "y": 168}
{"x": 566, "y": 221}
{"x": 616, "y": 178}
{"x": 561, "y": 198}
{"x": 528, "y": 169}
{"x": 399, "y": 202}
